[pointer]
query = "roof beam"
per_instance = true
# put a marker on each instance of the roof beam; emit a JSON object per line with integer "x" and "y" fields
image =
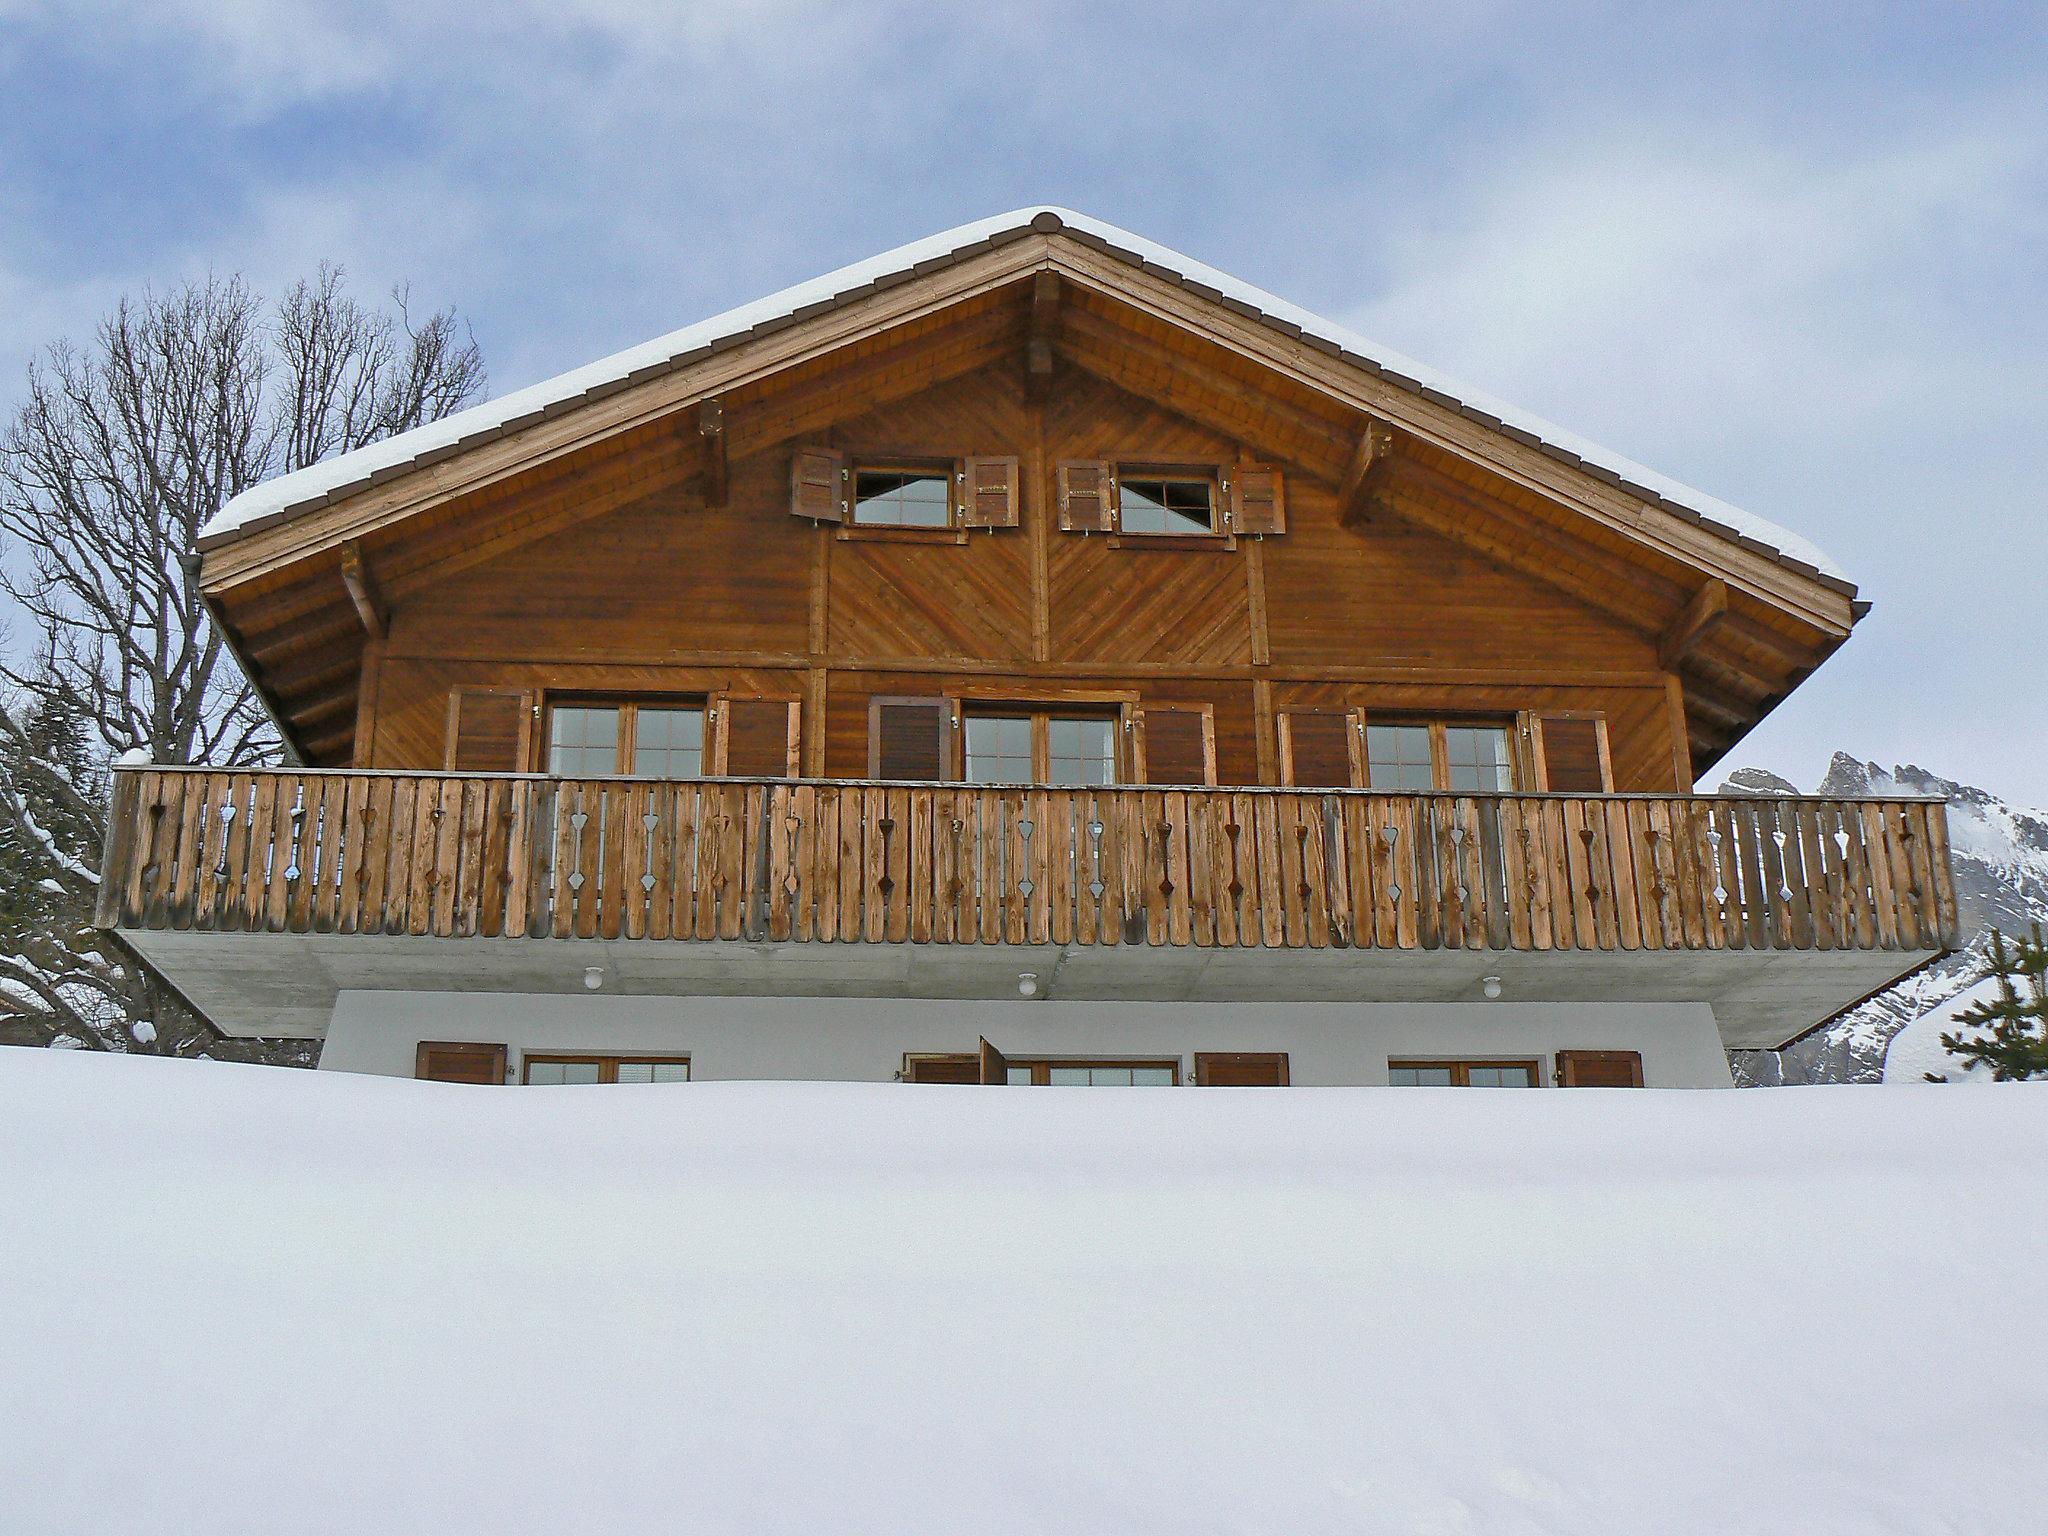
{"x": 1366, "y": 475}
{"x": 1703, "y": 614}
{"x": 1038, "y": 344}
{"x": 712, "y": 477}
{"x": 362, "y": 590}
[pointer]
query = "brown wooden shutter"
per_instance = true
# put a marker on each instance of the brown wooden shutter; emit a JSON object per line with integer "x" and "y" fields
{"x": 1318, "y": 748}
{"x": 910, "y": 738}
{"x": 487, "y": 730}
{"x": 1241, "y": 1069}
{"x": 459, "y": 1061}
{"x": 1085, "y": 495}
{"x": 991, "y": 500}
{"x": 1600, "y": 1069}
{"x": 1571, "y": 754}
{"x": 963, "y": 1067}
{"x": 1258, "y": 501}
{"x": 1176, "y": 746}
{"x": 758, "y": 738}
{"x": 817, "y": 485}
{"x": 994, "y": 1065}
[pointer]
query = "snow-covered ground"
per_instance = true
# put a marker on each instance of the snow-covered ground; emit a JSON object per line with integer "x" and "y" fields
{"x": 242, "y": 1299}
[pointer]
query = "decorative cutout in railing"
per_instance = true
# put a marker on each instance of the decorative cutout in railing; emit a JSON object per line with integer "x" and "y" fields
{"x": 832, "y": 862}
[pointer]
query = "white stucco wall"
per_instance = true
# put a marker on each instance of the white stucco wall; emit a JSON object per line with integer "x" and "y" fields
{"x": 863, "y": 1039}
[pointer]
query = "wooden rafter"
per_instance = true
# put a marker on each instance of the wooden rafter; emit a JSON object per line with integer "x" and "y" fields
{"x": 712, "y": 474}
{"x": 1365, "y": 476}
{"x": 1038, "y": 345}
{"x": 1704, "y": 613}
{"x": 362, "y": 590}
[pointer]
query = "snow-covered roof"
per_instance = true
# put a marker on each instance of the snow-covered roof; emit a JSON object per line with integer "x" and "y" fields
{"x": 327, "y": 1303}
{"x": 334, "y": 478}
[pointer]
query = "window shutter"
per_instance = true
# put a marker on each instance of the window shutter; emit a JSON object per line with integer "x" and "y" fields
{"x": 947, "y": 1068}
{"x": 1258, "y": 501}
{"x": 487, "y": 730}
{"x": 995, "y": 1066}
{"x": 1571, "y": 754}
{"x": 1085, "y": 489}
{"x": 910, "y": 738}
{"x": 1176, "y": 746}
{"x": 991, "y": 500}
{"x": 1318, "y": 748}
{"x": 1241, "y": 1069}
{"x": 457, "y": 1061}
{"x": 758, "y": 738}
{"x": 817, "y": 485}
{"x": 1600, "y": 1069}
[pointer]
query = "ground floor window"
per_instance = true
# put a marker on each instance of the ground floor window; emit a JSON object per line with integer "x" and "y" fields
{"x": 1095, "y": 1074}
{"x": 554, "y": 1071}
{"x": 1464, "y": 1074}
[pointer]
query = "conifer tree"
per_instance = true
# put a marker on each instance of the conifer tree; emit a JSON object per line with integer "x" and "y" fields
{"x": 2017, "y": 1045}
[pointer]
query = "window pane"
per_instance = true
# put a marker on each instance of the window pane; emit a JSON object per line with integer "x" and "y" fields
{"x": 999, "y": 749}
{"x": 1501, "y": 1077}
{"x": 912, "y": 499}
{"x": 636, "y": 1072}
{"x": 1478, "y": 758}
{"x": 555, "y": 1073}
{"x": 1070, "y": 1077}
{"x": 1152, "y": 1077}
{"x": 668, "y": 743}
{"x": 1397, "y": 757}
{"x": 583, "y": 739}
{"x": 1018, "y": 1075}
{"x": 1158, "y": 505}
{"x": 1419, "y": 1077}
{"x": 671, "y": 1072}
{"x": 1083, "y": 751}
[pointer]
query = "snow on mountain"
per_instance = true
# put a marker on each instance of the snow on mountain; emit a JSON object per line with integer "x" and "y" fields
{"x": 240, "y": 1301}
{"x": 2001, "y": 865}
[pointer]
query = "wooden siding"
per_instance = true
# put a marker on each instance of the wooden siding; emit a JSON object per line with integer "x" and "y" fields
{"x": 807, "y": 861}
{"x": 663, "y": 594}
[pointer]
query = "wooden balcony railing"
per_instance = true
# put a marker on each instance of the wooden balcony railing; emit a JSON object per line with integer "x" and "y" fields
{"x": 821, "y": 862}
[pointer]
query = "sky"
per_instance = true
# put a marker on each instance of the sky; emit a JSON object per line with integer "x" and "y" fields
{"x": 1796, "y": 256}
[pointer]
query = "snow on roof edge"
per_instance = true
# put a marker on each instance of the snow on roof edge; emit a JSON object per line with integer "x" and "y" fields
{"x": 337, "y": 478}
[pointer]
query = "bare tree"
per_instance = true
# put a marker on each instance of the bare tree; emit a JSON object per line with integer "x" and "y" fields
{"x": 114, "y": 460}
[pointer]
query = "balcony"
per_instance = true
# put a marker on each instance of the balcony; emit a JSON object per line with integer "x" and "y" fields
{"x": 261, "y": 894}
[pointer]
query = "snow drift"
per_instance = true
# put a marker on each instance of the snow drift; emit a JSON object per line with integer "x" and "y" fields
{"x": 242, "y": 1299}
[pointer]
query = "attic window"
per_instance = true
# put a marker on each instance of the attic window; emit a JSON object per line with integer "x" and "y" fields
{"x": 1151, "y": 501}
{"x": 902, "y": 497}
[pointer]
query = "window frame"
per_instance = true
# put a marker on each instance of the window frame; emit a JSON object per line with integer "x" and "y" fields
{"x": 1220, "y": 534}
{"x": 952, "y": 469}
{"x": 1361, "y": 719}
{"x": 607, "y": 1066}
{"x": 628, "y": 705}
{"x": 1041, "y": 713}
{"x": 1461, "y": 1067}
{"x": 1041, "y": 1067}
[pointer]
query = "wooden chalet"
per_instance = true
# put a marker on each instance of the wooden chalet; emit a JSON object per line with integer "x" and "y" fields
{"x": 1028, "y": 655}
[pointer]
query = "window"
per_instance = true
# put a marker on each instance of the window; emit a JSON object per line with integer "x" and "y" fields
{"x": 1149, "y": 501}
{"x": 1463, "y": 1074}
{"x": 557, "y": 1071}
{"x": 1095, "y": 1074}
{"x": 657, "y": 741}
{"x": 1400, "y": 756}
{"x": 1015, "y": 746}
{"x": 903, "y": 497}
